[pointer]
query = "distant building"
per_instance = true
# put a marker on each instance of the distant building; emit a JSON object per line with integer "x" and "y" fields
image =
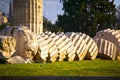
{"x": 28, "y": 13}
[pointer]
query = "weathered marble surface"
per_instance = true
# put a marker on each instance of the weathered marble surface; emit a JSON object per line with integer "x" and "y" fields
{"x": 110, "y": 35}
{"x": 7, "y": 47}
{"x": 107, "y": 49}
{"x": 51, "y": 47}
{"x": 16, "y": 60}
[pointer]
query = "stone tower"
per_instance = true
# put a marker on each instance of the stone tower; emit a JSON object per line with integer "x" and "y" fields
{"x": 29, "y": 13}
{"x": 10, "y": 19}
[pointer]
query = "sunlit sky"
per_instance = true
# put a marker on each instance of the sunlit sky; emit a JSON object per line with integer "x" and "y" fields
{"x": 51, "y": 8}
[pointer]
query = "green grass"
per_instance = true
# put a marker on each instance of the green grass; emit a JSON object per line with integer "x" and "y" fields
{"x": 76, "y": 68}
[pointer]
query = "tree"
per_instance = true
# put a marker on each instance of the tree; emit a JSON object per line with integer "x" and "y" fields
{"x": 118, "y": 17}
{"x": 87, "y": 16}
{"x": 48, "y": 26}
{"x": 3, "y": 14}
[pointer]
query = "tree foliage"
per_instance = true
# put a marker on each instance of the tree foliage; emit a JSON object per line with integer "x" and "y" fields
{"x": 3, "y": 26}
{"x": 48, "y": 26}
{"x": 87, "y": 16}
{"x": 118, "y": 17}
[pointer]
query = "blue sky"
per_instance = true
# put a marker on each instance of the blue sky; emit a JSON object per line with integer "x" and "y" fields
{"x": 51, "y": 13}
{"x": 117, "y": 2}
{"x": 52, "y": 8}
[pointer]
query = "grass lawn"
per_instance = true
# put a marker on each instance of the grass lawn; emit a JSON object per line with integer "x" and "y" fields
{"x": 76, "y": 68}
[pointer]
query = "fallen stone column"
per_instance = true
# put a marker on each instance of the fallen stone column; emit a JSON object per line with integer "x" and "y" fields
{"x": 42, "y": 49}
{"x": 107, "y": 50}
{"x": 111, "y": 35}
{"x": 91, "y": 46}
{"x": 7, "y": 47}
{"x": 52, "y": 49}
{"x": 68, "y": 46}
{"x": 26, "y": 44}
{"x": 60, "y": 44}
{"x": 16, "y": 60}
{"x": 79, "y": 44}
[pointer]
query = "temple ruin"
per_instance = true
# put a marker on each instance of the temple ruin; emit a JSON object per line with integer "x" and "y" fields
{"x": 28, "y": 13}
{"x": 1, "y": 18}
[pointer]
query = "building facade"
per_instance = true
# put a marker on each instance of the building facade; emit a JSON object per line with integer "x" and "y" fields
{"x": 29, "y": 13}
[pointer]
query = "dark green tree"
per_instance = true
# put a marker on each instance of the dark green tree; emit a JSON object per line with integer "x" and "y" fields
{"x": 3, "y": 14}
{"x": 118, "y": 17}
{"x": 48, "y": 26}
{"x": 87, "y": 16}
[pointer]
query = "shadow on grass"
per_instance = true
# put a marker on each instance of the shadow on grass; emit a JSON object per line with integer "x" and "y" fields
{"x": 60, "y": 78}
